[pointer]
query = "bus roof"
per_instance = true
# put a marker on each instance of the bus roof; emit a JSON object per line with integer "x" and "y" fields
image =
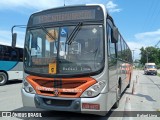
{"x": 59, "y": 14}
{"x": 101, "y": 5}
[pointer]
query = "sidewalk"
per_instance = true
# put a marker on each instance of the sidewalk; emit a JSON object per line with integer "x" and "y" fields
{"x": 146, "y": 100}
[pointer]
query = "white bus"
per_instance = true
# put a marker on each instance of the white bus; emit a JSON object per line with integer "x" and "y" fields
{"x": 11, "y": 63}
{"x": 75, "y": 60}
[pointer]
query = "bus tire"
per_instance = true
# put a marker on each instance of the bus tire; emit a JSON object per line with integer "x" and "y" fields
{"x": 3, "y": 78}
{"x": 118, "y": 97}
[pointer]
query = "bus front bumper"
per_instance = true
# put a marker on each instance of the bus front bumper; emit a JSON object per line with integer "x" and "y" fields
{"x": 66, "y": 104}
{"x": 27, "y": 99}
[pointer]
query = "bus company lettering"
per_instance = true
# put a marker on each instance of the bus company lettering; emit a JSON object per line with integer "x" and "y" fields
{"x": 44, "y": 88}
{"x": 64, "y": 90}
{"x": 72, "y": 90}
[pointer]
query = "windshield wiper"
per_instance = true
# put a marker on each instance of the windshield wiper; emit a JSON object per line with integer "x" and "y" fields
{"x": 74, "y": 33}
{"x": 44, "y": 29}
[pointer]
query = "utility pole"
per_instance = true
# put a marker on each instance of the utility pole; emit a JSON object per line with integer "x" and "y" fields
{"x": 133, "y": 55}
{"x": 64, "y": 3}
{"x": 147, "y": 57}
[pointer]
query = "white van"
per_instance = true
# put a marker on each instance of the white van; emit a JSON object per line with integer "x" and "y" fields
{"x": 150, "y": 68}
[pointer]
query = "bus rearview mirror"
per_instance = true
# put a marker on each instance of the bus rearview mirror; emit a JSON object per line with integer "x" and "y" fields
{"x": 14, "y": 38}
{"x": 115, "y": 35}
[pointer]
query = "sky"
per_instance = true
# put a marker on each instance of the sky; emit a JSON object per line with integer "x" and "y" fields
{"x": 137, "y": 20}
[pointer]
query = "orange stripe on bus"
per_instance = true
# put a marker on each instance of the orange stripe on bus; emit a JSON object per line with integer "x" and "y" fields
{"x": 70, "y": 87}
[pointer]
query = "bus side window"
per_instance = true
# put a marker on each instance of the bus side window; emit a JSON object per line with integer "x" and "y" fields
{"x": 14, "y": 55}
{"x": 111, "y": 48}
{"x": 6, "y": 53}
{"x": 1, "y": 52}
{"x": 20, "y": 54}
{"x": 123, "y": 49}
{"x": 119, "y": 48}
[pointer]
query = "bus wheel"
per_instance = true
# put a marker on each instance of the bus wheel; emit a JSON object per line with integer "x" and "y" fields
{"x": 3, "y": 78}
{"x": 118, "y": 95}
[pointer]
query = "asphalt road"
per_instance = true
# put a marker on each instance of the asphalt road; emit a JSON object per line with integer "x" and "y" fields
{"x": 146, "y": 98}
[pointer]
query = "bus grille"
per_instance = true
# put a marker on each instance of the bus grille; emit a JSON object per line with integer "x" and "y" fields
{"x": 57, "y": 87}
{"x": 59, "y": 83}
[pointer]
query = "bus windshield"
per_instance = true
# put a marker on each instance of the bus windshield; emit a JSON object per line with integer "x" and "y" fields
{"x": 54, "y": 50}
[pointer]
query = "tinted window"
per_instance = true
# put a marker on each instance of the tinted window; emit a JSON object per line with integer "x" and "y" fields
{"x": 123, "y": 49}
{"x": 1, "y": 52}
{"x": 11, "y": 54}
{"x": 111, "y": 46}
{"x": 20, "y": 54}
{"x": 119, "y": 47}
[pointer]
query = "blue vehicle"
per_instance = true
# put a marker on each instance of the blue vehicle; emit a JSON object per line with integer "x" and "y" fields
{"x": 11, "y": 63}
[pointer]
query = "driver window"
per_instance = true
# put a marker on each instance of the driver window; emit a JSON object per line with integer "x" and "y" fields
{"x": 111, "y": 48}
{"x": 39, "y": 47}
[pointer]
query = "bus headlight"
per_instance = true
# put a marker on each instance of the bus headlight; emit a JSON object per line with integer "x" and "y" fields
{"x": 27, "y": 87}
{"x": 94, "y": 90}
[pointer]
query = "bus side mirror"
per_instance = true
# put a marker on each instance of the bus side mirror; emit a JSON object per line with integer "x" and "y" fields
{"x": 14, "y": 38}
{"x": 14, "y": 35}
{"x": 115, "y": 35}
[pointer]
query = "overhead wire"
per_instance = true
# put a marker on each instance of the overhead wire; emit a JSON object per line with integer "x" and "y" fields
{"x": 149, "y": 15}
{"x": 151, "y": 18}
{"x": 154, "y": 15}
{"x": 155, "y": 19}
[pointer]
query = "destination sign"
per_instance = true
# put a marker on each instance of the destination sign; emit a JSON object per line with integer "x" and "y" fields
{"x": 64, "y": 16}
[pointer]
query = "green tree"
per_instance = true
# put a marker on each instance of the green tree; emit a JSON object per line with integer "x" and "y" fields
{"x": 143, "y": 56}
{"x": 150, "y": 54}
